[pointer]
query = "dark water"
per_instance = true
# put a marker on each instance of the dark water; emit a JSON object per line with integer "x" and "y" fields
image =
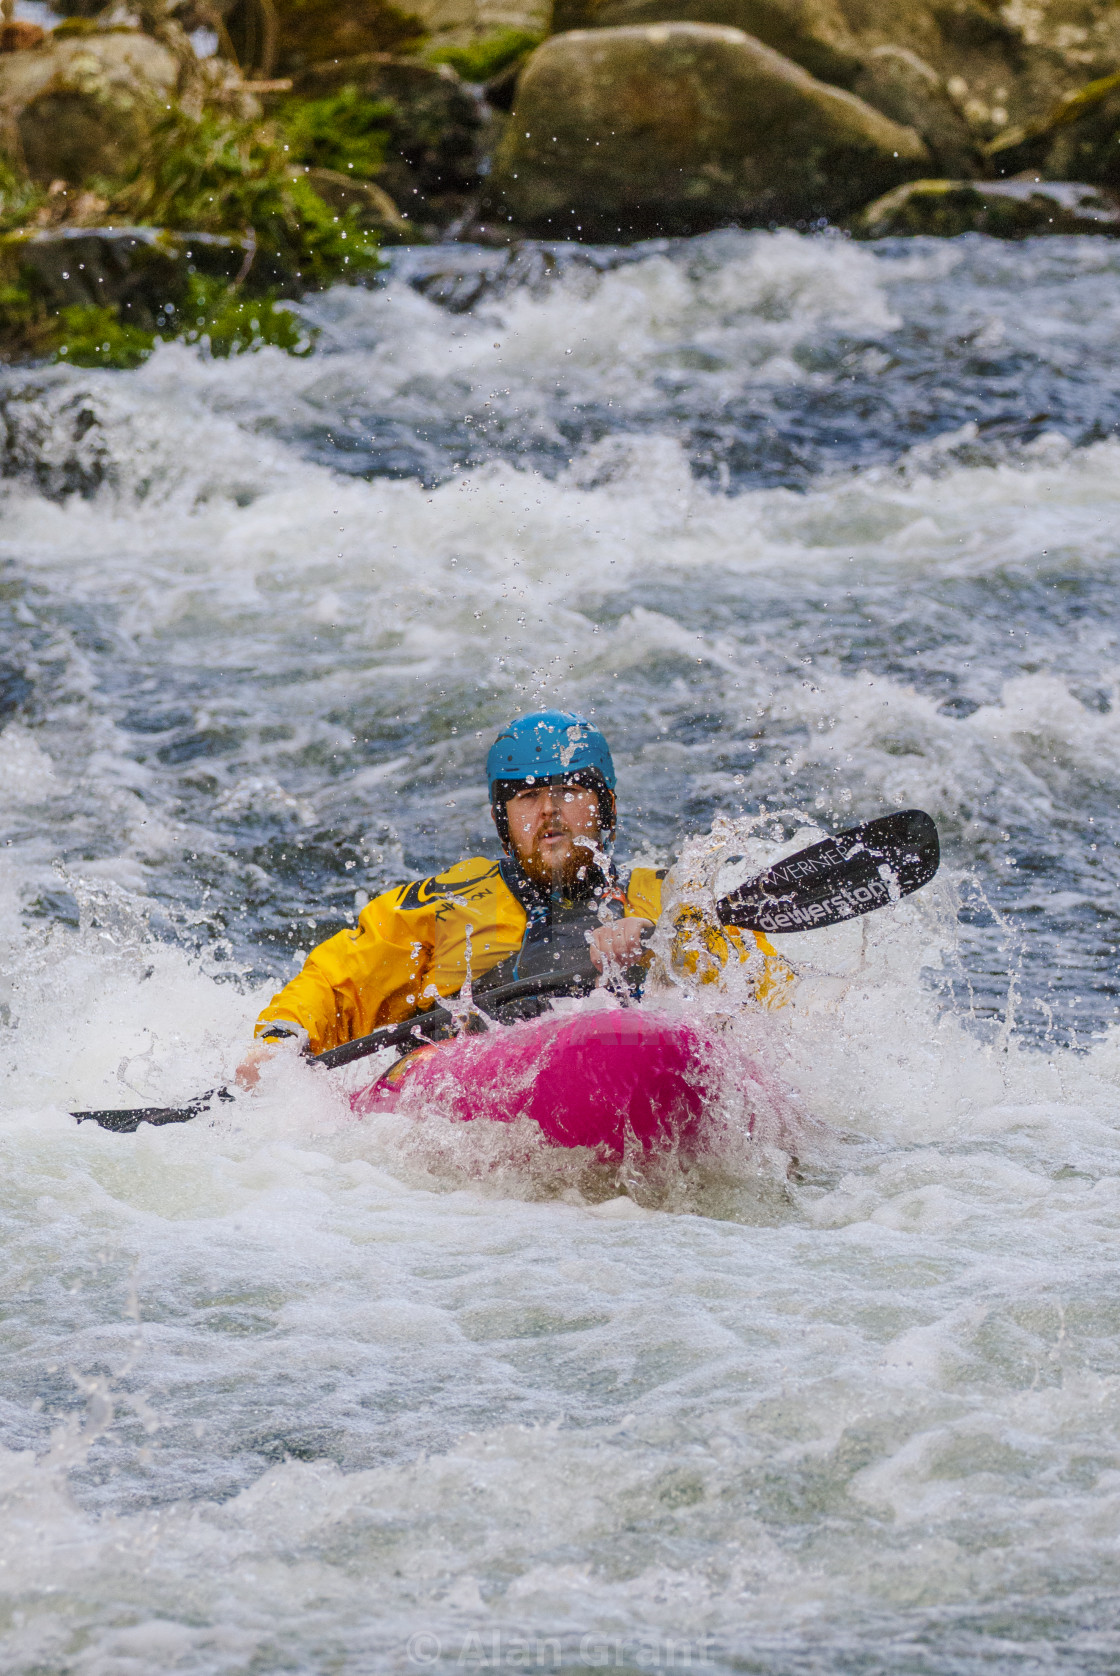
{"x": 648, "y": 408}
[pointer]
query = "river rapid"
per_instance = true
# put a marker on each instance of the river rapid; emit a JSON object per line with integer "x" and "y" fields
{"x": 815, "y": 531}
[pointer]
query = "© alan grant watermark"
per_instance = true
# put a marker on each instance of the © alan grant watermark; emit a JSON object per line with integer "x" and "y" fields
{"x": 499, "y": 1650}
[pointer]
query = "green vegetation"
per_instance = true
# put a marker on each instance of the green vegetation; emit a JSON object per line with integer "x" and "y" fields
{"x": 19, "y": 199}
{"x": 345, "y": 131}
{"x": 483, "y": 59}
{"x": 214, "y": 175}
{"x": 96, "y": 337}
{"x": 23, "y": 321}
{"x": 229, "y": 323}
{"x": 211, "y": 174}
{"x": 217, "y": 318}
{"x": 214, "y": 316}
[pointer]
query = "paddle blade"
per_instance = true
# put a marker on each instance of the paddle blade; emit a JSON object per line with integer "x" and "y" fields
{"x": 865, "y": 868}
{"x": 127, "y": 1121}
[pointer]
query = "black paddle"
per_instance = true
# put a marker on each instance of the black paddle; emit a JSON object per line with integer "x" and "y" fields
{"x": 840, "y": 878}
{"x": 857, "y": 871}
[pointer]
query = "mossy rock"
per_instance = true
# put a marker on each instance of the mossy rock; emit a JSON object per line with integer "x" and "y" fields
{"x": 1001, "y": 209}
{"x": 285, "y": 36}
{"x": 142, "y": 272}
{"x": 372, "y": 204}
{"x": 80, "y": 108}
{"x": 435, "y": 127}
{"x": 1079, "y": 137}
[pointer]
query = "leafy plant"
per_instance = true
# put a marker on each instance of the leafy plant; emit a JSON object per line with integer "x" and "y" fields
{"x": 346, "y": 131}
{"x": 214, "y": 315}
{"x": 483, "y": 59}
{"x": 214, "y": 174}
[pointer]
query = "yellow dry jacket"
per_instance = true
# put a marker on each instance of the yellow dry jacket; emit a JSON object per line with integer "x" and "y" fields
{"x": 414, "y": 943}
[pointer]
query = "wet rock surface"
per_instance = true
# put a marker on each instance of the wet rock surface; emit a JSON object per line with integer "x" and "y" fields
{"x": 908, "y": 90}
{"x": 1007, "y": 209}
{"x": 459, "y": 277}
{"x": 678, "y": 127}
{"x": 142, "y": 271}
{"x": 78, "y": 108}
{"x": 1079, "y": 136}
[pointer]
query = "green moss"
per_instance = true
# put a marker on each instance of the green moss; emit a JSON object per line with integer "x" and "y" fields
{"x": 483, "y": 59}
{"x": 89, "y": 26}
{"x": 216, "y": 317}
{"x": 229, "y": 323}
{"x": 205, "y": 175}
{"x": 19, "y": 199}
{"x": 23, "y": 319}
{"x": 345, "y": 131}
{"x": 95, "y": 337}
{"x": 214, "y": 175}
{"x": 27, "y": 327}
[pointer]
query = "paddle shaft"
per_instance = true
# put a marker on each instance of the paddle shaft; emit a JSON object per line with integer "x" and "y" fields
{"x": 438, "y": 1018}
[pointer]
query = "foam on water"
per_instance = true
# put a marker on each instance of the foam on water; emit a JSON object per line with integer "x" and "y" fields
{"x": 284, "y": 1390}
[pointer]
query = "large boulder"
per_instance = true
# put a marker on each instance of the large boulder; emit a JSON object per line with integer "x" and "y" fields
{"x": 989, "y": 62}
{"x": 78, "y": 108}
{"x": 820, "y": 36}
{"x": 814, "y": 33}
{"x": 283, "y": 37}
{"x": 680, "y": 127}
{"x": 997, "y": 65}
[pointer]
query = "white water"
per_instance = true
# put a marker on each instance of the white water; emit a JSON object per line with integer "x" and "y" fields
{"x": 285, "y": 1393}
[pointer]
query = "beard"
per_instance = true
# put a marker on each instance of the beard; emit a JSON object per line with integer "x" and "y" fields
{"x": 568, "y": 866}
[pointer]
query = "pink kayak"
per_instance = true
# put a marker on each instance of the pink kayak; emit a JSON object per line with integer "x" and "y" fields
{"x": 594, "y": 1078}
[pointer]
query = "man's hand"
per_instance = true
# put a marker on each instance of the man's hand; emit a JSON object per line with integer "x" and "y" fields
{"x": 248, "y": 1073}
{"x": 620, "y": 942}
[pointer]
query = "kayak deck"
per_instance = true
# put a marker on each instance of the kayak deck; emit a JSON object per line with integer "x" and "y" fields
{"x": 598, "y": 1078}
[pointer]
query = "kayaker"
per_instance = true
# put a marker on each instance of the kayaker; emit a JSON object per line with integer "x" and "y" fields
{"x": 552, "y": 797}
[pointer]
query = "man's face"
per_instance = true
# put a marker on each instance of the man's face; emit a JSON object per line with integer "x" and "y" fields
{"x": 546, "y": 824}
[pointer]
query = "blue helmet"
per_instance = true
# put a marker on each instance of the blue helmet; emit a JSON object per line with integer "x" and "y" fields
{"x": 549, "y": 743}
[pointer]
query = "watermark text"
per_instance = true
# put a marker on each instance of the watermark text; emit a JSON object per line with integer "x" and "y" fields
{"x": 501, "y": 1650}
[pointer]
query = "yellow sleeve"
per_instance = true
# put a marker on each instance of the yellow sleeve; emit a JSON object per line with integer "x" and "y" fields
{"x": 643, "y": 893}
{"x": 361, "y": 978}
{"x": 703, "y": 948}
